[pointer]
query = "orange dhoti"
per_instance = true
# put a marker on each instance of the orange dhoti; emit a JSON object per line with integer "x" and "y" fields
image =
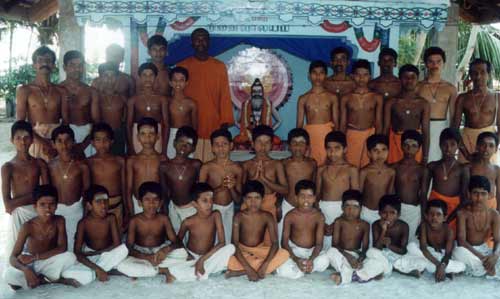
{"x": 396, "y": 150}
{"x": 357, "y": 153}
{"x": 492, "y": 204}
{"x": 203, "y": 150}
{"x": 38, "y": 150}
{"x": 469, "y": 138}
{"x": 137, "y": 145}
{"x": 268, "y": 205}
{"x": 317, "y": 134}
{"x": 255, "y": 256}
{"x": 452, "y": 202}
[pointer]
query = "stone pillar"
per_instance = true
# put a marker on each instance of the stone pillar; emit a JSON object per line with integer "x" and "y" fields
{"x": 70, "y": 33}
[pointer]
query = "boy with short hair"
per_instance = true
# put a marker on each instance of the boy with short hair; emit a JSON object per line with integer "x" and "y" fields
{"x": 360, "y": 115}
{"x": 71, "y": 178}
{"x": 206, "y": 243}
{"x": 435, "y": 249}
{"x": 151, "y": 240}
{"x": 376, "y": 179}
{"x": 351, "y": 235}
{"x": 178, "y": 175}
{"x": 109, "y": 171}
{"x": 253, "y": 257}
{"x": 409, "y": 183}
{"x": 303, "y": 231}
{"x": 475, "y": 225}
{"x": 158, "y": 50}
{"x": 320, "y": 108}
{"x": 183, "y": 110}
{"x": 98, "y": 244}
{"x": 145, "y": 165}
{"x": 224, "y": 176}
{"x": 334, "y": 178}
{"x": 40, "y": 254}
{"x": 20, "y": 175}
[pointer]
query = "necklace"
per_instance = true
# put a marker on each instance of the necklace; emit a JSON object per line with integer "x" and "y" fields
{"x": 45, "y": 96}
{"x": 480, "y": 228}
{"x": 447, "y": 171}
{"x": 180, "y": 174}
{"x": 481, "y": 102}
{"x": 65, "y": 173}
{"x": 434, "y": 92}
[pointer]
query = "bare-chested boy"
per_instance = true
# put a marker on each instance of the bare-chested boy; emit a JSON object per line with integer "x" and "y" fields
{"x": 112, "y": 105}
{"x": 386, "y": 84}
{"x": 376, "y": 179}
{"x": 208, "y": 255}
{"x": 42, "y": 103}
{"x": 321, "y": 109}
{"x": 158, "y": 50}
{"x": 20, "y": 176}
{"x": 98, "y": 245}
{"x": 303, "y": 232}
{"x": 178, "y": 175}
{"x": 224, "y": 176}
{"x": 151, "y": 241}
{"x": 360, "y": 115}
{"x": 409, "y": 182}
{"x": 340, "y": 83}
{"x": 407, "y": 111}
{"x": 390, "y": 238}
{"x": 253, "y": 257}
{"x": 145, "y": 165}
{"x": 183, "y": 110}
{"x": 437, "y": 241}
{"x": 108, "y": 171}
{"x": 333, "y": 180}
{"x": 440, "y": 94}
{"x": 71, "y": 177}
{"x": 40, "y": 254}
{"x": 480, "y": 106}
{"x": 147, "y": 103}
{"x": 351, "y": 235}
{"x": 82, "y": 101}
{"x": 449, "y": 177}
{"x": 480, "y": 164}
{"x": 475, "y": 226}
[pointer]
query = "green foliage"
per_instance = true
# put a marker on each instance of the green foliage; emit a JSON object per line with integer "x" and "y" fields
{"x": 21, "y": 75}
{"x": 407, "y": 48}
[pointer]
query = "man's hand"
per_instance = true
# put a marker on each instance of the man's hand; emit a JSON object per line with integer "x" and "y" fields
{"x": 101, "y": 275}
{"x": 440, "y": 274}
{"x": 199, "y": 268}
{"x": 32, "y": 279}
{"x": 26, "y": 259}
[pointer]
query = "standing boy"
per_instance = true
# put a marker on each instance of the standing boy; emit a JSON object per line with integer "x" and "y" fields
{"x": 386, "y": 84}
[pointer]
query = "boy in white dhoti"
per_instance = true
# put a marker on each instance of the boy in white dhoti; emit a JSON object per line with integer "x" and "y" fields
{"x": 98, "y": 244}
{"x": 39, "y": 255}
{"x": 334, "y": 178}
{"x": 303, "y": 233}
{"x": 433, "y": 254}
{"x": 390, "y": 238}
{"x": 20, "y": 176}
{"x": 224, "y": 176}
{"x": 475, "y": 226}
{"x": 208, "y": 255}
{"x": 151, "y": 240}
{"x": 350, "y": 239}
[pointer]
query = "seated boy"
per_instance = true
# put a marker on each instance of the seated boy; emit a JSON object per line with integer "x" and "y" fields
{"x": 40, "y": 254}
{"x": 98, "y": 244}
{"x": 435, "y": 249}
{"x": 252, "y": 257}
{"x": 350, "y": 239}
{"x": 334, "y": 178}
{"x": 390, "y": 237}
{"x": 475, "y": 226}
{"x": 151, "y": 240}
{"x": 206, "y": 243}
{"x": 303, "y": 231}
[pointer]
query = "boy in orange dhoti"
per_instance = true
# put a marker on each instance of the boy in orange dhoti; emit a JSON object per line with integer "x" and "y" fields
{"x": 320, "y": 107}
{"x": 360, "y": 115}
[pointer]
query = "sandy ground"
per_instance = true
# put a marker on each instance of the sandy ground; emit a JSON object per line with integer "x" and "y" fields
{"x": 316, "y": 285}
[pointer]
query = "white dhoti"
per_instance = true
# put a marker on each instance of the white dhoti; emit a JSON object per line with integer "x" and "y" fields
{"x": 377, "y": 262}
{"x": 473, "y": 265}
{"x": 435, "y": 129}
{"x": 415, "y": 260}
{"x": 227, "y": 213}
{"x": 341, "y": 264}
{"x": 286, "y": 207}
{"x": 81, "y": 132}
{"x": 369, "y": 216}
{"x": 72, "y": 214}
{"x": 332, "y": 210}
{"x": 411, "y": 215}
{"x": 135, "y": 267}
{"x": 106, "y": 261}
{"x": 290, "y": 269}
{"x": 178, "y": 214}
{"x": 216, "y": 263}
{"x": 52, "y": 268}
{"x": 170, "y": 146}
{"x": 18, "y": 217}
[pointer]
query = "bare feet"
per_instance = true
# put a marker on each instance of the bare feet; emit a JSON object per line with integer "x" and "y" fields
{"x": 169, "y": 278}
{"x": 379, "y": 277}
{"x": 336, "y": 278}
{"x": 450, "y": 276}
{"x": 415, "y": 273}
{"x": 70, "y": 282}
